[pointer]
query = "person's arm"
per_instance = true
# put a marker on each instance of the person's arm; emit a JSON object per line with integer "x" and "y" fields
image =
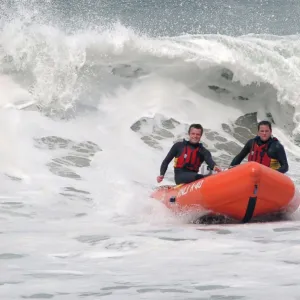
{"x": 172, "y": 153}
{"x": 239, "y": 158}
{"x": 208, "y": 158}
{"x": 282, "y": 159}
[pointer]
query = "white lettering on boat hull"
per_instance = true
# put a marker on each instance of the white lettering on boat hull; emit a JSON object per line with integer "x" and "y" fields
{"x": 189, "y": 188}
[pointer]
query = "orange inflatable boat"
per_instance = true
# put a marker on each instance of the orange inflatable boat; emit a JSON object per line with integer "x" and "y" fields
{"x": 241, "y": 193}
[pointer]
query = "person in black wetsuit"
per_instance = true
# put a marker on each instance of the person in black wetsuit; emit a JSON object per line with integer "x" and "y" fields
{"x": 189, "y": 155}
{"x": 264, "y": 149}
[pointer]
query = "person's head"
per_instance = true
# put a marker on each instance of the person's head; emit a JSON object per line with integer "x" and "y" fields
{"x": 195, "y": 133}
{"x": 264, "y": 130}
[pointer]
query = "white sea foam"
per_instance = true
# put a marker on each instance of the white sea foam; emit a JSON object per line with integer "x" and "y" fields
{"x": 76, "y": 217}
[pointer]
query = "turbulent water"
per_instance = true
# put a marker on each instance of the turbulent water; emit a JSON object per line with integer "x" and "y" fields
{"x": 92, "y": 96}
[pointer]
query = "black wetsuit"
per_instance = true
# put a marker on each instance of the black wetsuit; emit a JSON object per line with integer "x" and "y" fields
{"x": 275, "y": 151}
{"x": 184, "y": 175}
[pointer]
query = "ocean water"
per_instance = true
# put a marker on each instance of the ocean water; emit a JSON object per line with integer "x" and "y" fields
{"x": 92, "y": 96}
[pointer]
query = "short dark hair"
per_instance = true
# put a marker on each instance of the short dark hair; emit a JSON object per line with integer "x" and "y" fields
{"x": 197, "y": 126}
{"x": 267, "y": 123}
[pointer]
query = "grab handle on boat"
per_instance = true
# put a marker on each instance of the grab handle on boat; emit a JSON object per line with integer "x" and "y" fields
{"x": 173, "y": 199}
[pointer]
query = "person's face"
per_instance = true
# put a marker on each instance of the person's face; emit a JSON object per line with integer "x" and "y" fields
{"x": 195, "y": 135}
{"x": 264, "y": 132}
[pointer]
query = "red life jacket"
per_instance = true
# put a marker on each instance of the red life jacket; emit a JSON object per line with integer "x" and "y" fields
{"x": 260, "y": 153}
{"x": 188, "y": 158}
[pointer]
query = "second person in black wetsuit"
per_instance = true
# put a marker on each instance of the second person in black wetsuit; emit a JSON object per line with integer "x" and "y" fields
{"x": 189, "y": 155}
{"x": 264, "y": 149}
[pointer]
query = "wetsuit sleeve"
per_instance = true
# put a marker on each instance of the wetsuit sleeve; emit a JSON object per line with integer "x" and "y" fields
{"x": 172, "y": 153}
{"x": 208, "y": 158}
{"x": 246, "y": 150}
{"x": 282, "y": 159}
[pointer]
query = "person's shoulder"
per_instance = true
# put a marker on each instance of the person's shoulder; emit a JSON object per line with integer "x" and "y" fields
{"x": 250, "y": 142}
{"x": 203, "y": 149}
{"x": 178, "y": 144}
{"x": 277, "y": 143}
{"x": 254, "y": 139}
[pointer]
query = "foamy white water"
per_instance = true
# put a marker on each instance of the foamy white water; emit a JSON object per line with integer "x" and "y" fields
{"x": 78, "y": 164}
